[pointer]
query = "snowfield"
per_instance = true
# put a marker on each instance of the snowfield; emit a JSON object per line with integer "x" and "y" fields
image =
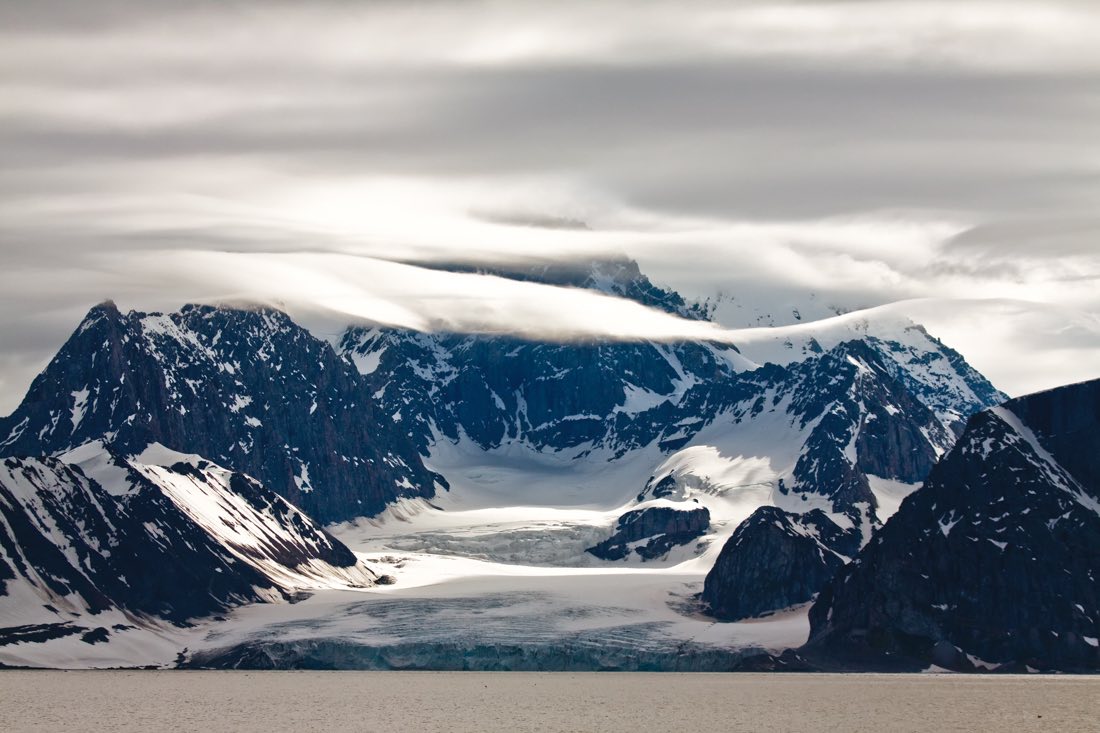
{"x": 474, "y": 570}
{"x": 499, "y": 561}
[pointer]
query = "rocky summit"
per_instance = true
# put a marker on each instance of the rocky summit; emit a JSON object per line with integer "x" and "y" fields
{"x": 995, "y": 561}
{"x": 246, "y": 388}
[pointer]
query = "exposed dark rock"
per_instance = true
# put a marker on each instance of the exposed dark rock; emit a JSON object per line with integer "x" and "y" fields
{"x": 775, "y": 560}
{"x": 247, "y": 389}
{"x": 559, "y": 396}
{"x": 82, "y": 550}
{"x": 996, "y": 557}
{"x": 860, "y": 403}
{"x": 788, "y": 661}
{"x": 38, "y": 633}
{"x": 658, "y": 489}
{"x": 663, "y": 527}
{"x": 97, "y": 635}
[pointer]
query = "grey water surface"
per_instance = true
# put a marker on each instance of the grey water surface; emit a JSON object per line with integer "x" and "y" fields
{"x": 517, "y": 701}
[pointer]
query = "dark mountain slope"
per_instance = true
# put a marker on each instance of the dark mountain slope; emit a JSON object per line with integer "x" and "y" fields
{"x": 247, "y": 389}
{"x": 996, "y": 558}
{"x": 162, "y": 542}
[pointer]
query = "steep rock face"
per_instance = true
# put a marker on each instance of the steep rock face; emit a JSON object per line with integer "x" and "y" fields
{"x": 996, "y": 559}
{"x": 553, "y": 396}
{"x": 247, "y": 389}
{"x": 824, "y": 426}
{"x": 938, "y": 376}
{"x": 172, "y": 542}
{"x": 895, "y": 435}
{"x": 775, "y": 560}
{"x": 47, "y": 507}
{"x": 660, "y": 528}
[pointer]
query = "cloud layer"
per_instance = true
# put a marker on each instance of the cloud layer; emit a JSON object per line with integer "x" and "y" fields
{"x": 792, "y": 155}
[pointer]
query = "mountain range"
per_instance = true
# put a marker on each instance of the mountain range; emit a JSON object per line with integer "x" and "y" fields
{"x": 170, "y": 481}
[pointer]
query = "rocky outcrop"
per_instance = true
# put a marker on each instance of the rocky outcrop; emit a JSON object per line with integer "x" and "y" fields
{"x": 775, "y": 560}
{"x": 247, "y": 389}
{"x": 868, "y": 422}
{"x": 995, "y": 561}
{"x": 651, "y": 532}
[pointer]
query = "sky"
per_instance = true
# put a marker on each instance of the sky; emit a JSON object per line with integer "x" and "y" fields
{"x": 810, "y": 156}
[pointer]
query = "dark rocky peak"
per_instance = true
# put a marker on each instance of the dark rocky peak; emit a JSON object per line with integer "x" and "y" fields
{"x": 939, "y": 376}
{"x": 653, "y": 531}
{"x": 775, "y": 560}
{"x": 246, "y": 388}
{"x": 862, "y": 420}
{"x": 1064, "y": 420}
{"x": 995, "y": 561}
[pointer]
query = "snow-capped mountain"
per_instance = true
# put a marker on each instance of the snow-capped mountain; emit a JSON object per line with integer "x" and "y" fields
{"x": 97, "y": 544}
{"x": 626, "y": 453}
{"x": 244, "y": 388}
{"x": 844, "y": 417}
{"x": 843, "y": 429}
{"x": 995, "y": 560}
{"x": 935, "y": 373}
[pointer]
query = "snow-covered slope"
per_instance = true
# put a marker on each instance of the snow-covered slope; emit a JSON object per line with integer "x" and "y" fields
{"x": 739, "y": 310}
{"x": 256, "y": 526}
{"x": 567, "y": 425}
{"x": 166, "y": 538}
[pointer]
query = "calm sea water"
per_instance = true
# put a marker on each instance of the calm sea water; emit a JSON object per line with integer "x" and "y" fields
{"x": 470, "y": 701}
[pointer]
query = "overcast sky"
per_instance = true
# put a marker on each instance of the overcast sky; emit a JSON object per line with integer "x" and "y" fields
{"x": 788, "y": 154}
